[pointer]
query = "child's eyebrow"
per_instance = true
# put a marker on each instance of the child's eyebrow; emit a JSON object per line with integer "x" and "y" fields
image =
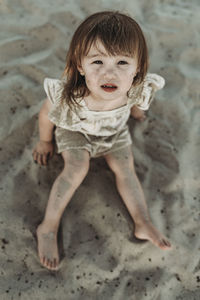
{"x": 103, "y": 54}
{"x": 96, "y": 54}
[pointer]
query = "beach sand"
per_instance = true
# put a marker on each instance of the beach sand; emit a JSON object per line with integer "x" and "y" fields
{"x": 100, "y": 258}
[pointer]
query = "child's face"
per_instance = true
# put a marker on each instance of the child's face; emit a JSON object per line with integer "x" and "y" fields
{"x": 101, "y": 71}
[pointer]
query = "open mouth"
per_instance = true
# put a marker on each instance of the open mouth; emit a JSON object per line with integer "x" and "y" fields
{"x": 109, "y": 87}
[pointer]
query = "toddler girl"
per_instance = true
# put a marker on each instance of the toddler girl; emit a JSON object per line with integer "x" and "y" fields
{"x": 104, "y": 82}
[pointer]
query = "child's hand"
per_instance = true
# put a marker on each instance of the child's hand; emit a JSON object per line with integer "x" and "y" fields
{"x": 42, "y": 152}
{"x": 138, "y": 114}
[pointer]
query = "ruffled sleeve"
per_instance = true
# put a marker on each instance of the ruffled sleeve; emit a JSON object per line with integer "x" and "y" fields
{"x": 143, "y": 95}
{"x": 60, "y": 114}
{"x": 53, "y": 89}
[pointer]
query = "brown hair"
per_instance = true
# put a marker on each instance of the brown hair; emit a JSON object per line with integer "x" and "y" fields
{"x": 119, "y": 34}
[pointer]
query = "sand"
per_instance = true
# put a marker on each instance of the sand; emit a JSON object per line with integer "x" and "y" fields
{"x": 100, "y": 258}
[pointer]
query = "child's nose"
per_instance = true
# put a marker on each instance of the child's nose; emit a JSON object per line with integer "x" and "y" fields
{"x": 109, "y": 73}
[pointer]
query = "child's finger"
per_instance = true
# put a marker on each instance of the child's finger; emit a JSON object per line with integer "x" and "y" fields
{"x": 51, "y": 154}
{"x": 44, "y": 159}
{"x": 143, "y": 118}
{"x": 34, "y": 154}
{"x": 39, "y": 159}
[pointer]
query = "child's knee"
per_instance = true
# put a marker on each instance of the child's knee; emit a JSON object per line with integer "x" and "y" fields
{"x": 121, "y": 162}
{"x": 76, "y": 162}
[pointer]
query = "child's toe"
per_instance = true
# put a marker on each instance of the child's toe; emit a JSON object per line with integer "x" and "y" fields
{"x": 165, "y": 244}
{"x": 55, "y": 263}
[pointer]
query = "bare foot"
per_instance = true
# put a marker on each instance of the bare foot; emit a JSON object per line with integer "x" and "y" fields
{"x": 146, "y": 231}
{"x": 47, "y": 248}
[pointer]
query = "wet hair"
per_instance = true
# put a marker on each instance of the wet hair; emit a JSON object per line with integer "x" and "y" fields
{"x": 119, "y": 34}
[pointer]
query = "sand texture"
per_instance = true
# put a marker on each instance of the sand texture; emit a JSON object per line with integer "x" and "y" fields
{"x": 101, "y": 259}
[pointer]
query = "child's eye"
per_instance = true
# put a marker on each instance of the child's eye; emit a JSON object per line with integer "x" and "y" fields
{"x": 98, "y": 62}
{"x": 122, "y": 62}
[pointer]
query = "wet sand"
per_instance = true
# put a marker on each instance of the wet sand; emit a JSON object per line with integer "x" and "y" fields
{"x": 100, "y": 258}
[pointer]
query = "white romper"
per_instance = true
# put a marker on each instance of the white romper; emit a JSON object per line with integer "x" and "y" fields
{"x": 98, "y": 132}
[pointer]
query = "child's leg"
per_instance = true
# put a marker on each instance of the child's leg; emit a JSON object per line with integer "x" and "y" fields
{"x": 75, "y": 169}
{"x": 121, "y": 163}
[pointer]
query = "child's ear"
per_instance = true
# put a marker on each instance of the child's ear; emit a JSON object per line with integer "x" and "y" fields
{"x": 80, "y": 69}
{"x": 137, "y": 71}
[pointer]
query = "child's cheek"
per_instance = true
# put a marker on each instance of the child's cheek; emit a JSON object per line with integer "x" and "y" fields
{"x": 91, "y": 77}
{"x": 90, "y": 81}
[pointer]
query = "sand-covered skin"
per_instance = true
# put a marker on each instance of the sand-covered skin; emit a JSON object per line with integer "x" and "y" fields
{"x": 100, "y": 258}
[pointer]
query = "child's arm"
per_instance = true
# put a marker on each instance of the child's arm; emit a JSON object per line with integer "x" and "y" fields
{"x": 137, "y": 113}
{"x": 44, "y": 148}
{"x": 150, "y": 85}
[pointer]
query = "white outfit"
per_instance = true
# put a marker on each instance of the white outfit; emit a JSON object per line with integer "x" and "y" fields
{"x": 99, "y": 132}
